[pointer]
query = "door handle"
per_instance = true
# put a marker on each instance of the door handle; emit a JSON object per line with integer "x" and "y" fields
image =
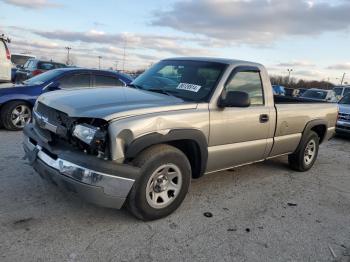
{"x": 264, "y": 118}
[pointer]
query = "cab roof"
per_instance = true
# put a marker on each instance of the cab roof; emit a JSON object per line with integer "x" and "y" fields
{"x": 215, "y": 60}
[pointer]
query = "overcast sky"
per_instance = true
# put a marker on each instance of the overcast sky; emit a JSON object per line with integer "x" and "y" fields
{"x": 310, "y": 36}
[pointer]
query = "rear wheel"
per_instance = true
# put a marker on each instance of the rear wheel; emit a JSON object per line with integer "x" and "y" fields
{"x": 15, "y": 115}
{"x": 304, "y": 158}
{"x": 163, "y": 183}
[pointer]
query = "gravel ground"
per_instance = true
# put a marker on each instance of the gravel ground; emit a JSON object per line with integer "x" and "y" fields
{"x": 262, "y": 212}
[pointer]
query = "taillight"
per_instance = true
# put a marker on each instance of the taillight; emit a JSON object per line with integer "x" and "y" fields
{"x": 8, "y": 54}
{"x": 36, "y": 72}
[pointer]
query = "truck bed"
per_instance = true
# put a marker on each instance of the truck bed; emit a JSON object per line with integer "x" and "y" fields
{"x": 290, "y": 100}
{"x": 292, "y": 115}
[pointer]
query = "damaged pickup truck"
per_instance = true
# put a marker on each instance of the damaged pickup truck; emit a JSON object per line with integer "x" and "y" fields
{"x": 140, "y": 146}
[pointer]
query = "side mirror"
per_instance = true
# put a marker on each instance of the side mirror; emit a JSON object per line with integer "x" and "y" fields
{"x": 52, "y": 87}
{"x": 234, "y": 99}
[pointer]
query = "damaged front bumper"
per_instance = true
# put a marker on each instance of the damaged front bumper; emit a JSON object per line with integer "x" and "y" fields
{"x": 98, "y": 181}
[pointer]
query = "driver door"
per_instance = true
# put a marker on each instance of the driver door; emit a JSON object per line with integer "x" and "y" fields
{"x": 238, "y": 135}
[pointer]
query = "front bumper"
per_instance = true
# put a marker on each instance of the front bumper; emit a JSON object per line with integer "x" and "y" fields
{"x": 343, "y": 127}
{"x": 101, "y": 182}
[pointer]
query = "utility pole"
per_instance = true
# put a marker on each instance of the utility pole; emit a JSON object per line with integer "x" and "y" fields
{"x": 290, "y": 70}
{"x": 342, "y": 79}
{"x": 328, "y": 79}
{"x": 68, "y": 49}
{"x": 124, "y": 53}
{"x": 116, "y": 65}
{"x": 99, "y": 61}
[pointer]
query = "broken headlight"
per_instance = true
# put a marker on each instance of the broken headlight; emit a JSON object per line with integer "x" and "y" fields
{"x": 89, "y": 134}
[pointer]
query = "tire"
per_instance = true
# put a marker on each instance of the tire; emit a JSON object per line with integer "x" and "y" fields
{"x": 9, "y": 111}
{"x": 301, "y": 162}
{"x": 144, "y": 200}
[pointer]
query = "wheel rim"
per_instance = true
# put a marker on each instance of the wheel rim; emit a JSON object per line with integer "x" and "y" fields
{"x": 310, "y": 152}
{"x": 163, "y": 186}
{"x": 20, "y": 116}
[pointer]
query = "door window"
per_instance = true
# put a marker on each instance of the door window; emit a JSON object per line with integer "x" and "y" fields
{"x": 101, "y": 81}
{"x": 45, "y": 66}
{"x": 249, "y": 82}
{"x": 75, "y": 81}
{"x": 346, "y": 91}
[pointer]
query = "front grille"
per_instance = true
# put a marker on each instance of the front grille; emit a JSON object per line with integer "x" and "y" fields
{"x": 54, "y": 116}
{"x": 51, "y": 123}
{"x": 344, "y": 117}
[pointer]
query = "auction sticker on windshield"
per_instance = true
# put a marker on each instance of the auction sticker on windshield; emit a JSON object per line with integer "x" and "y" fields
{"x": 189, "y": 87}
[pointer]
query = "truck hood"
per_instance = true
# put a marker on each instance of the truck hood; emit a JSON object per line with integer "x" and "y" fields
{"x": 112, "y": 103}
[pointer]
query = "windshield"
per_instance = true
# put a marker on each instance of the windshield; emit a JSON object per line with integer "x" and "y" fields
{"x": 346, "y": 91}
{"x": 345, "y": 100}
{"x": 42, "y": 78}
{"x": 20, "y": 59}
{"x": 316, "y": 94}
{"x": 189, "y": 80}
{"x": 338, "y": 91}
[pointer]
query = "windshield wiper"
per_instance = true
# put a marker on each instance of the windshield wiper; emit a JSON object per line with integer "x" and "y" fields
{"x": 157, "y": 90}
{"x": 134, "y": 86}
{"x": 162, "y": 91}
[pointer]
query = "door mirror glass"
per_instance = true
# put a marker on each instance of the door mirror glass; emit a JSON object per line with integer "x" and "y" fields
{"x": 234, "y": 99}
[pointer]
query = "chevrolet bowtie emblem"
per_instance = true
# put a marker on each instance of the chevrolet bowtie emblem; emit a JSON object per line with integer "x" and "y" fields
{"x": 44, "y": 123}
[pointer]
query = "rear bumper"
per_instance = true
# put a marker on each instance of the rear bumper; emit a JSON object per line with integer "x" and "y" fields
{"x": 105, "y": 186}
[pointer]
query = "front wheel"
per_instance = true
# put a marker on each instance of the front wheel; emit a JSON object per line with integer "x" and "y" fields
{"x": 304, "y": 158}
{"x": 15, "y": 115}
{"x": 163, "y": 183}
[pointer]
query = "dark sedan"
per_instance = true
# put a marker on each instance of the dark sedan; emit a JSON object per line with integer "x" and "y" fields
{"x": 17, "y": 101}
{"x": 35, "y": 67}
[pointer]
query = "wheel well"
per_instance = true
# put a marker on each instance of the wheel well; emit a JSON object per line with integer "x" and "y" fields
{"x": 192, "y": 151}
{"x": 320, "y": 130}
{"x": 10, "y": 101}
{"x": 16, "y": 100}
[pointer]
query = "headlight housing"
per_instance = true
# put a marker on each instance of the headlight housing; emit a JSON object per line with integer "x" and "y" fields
{"x": 88, "y": 134}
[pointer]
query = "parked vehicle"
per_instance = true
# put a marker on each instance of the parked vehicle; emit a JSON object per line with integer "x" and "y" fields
{"x": 5, "y": 60}
{"x": 17, "y": 101}
{"x": 302, "y": 91}
{"x": 291, "y": 92}
{"x": 278, "y": 90}
{"x": 141, "y": 145}
{"x": 18, "y": 61}
{"x": 341, "y": 91}
{"x": 343, "y": 123}
{"x": 320, "y": 95}
{"x": 35, "y": 67}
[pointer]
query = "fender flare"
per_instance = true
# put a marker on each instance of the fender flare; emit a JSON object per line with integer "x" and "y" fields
{"x": 311, "y": 124}
{"x": 145, "y": 141}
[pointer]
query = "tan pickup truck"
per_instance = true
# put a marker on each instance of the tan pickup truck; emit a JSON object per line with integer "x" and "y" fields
{"x": 141, "y": 145}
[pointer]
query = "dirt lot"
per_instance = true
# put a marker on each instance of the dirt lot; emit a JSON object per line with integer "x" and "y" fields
{"x": 263, "y": 212}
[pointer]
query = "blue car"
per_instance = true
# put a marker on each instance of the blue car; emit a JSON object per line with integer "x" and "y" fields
{"x": 279, "y": 90}
{"x": 17, "y": 101}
